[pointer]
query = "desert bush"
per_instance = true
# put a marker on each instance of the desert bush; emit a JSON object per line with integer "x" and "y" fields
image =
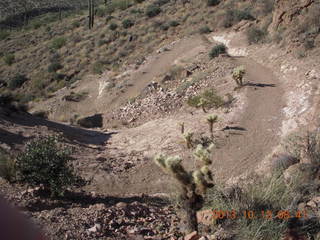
{"x": 46, "y": 162}
{"x": 127, "y": 23}
{"x": 122, "y": 4}
{"x": 174, "y": 23}
{"x": 4, "y": 35}
{"x": 217, "y": 50}
{"x": 255, "y": 35}
{"x": 309, "y": 44}
{"x": 101, "y": 12}
{"x": 139, "y": 1}
{"x": 207, "y": 99}
{"x": 7, "y": 167}
{"x": 204, "y": 30}
{"x": 76, "y": 97}
{"x": 76, "y": 24}
{"x": 9, "y": 59}
{"x": 153, "y": 10}
{"x": 232, "y": 16}
{"x": 113, "y": 26}
{"x": 161, "y": 2}
{"x": 213, "y": 2}
{"x": 55, "y": 66}
{"x": 305, "y": 145}
{"x": 17, "y": 81}
{"x": 58, "y": 42}
{"x": 98, "y": 67}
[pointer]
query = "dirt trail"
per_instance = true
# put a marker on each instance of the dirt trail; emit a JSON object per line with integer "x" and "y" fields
{"x": 255, "y": 132}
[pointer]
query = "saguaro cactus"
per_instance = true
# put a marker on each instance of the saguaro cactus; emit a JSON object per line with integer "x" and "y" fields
{"x": 91, "y": 13}
{"x": 193, "y": 184}
{"x": 211, "y": 120}
{"x": 238, "y": 74}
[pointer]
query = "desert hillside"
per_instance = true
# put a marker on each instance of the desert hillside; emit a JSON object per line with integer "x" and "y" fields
{"x": 162, "y": 119}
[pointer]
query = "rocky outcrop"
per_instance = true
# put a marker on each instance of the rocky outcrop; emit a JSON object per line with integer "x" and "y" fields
{"x": 287, "y": 10}
{"x": 94, "y": 121}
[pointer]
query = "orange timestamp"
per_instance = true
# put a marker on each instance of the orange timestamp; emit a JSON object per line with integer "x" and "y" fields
{"x": 264, "y": 214}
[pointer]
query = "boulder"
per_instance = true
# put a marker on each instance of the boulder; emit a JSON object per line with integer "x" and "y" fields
{"x": 93, "y": 121}
{"x": 192, "y": 236}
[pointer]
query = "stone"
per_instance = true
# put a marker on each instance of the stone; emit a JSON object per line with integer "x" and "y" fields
{"x": 95, "y": 228}
{"x": 192, "y": 236}
{"x": 205, "y": 217}
{"x": 121, "y": 205}
{"x": 93, "y": 121}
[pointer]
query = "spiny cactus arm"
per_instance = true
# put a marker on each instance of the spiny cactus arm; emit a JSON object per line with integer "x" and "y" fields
{"x": 203, "y": 154}
{"x": 207, "y": 173}
{"x": 212, "y": 118}
{"x": 200, "y": 182}
{"x": 160, "y": 160}
{"x": 173, "y": 164}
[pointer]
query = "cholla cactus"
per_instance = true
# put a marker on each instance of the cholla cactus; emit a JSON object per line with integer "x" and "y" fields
{"x": 202, "y": 103}
{"x": 211, "y": 120}
{"x": 238, "y": 74}
{"x": 181, "y": 124}
{"x": 194, "y": 184}
{"x": 188, "y": 139}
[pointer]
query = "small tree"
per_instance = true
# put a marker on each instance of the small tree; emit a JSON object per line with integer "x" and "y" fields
{"x": 193, "y": 185}
{"x": 238, "y": 74}
{"x": 202, "y": 103}
{"x": 45, "y": 162}
{"x": 211, "y": 120}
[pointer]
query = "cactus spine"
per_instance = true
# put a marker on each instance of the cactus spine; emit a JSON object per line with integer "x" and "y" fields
{"x": 238, "y": 74}
{"x": 193, "y": 184}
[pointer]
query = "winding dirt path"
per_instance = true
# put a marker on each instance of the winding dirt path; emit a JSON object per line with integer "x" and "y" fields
{"x": 259, "y": 126}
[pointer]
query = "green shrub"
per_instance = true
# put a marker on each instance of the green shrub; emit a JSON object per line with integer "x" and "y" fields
{"x": 122, "y": 4}
{"x": 217, "y": 50}
{"x": 45, "y": 162}
{"x": 113, "y": 26}
{"x": 153, "y": 10}
{"x": 213, "y": 2}
{"x": 161, "y": 2}
{"x": 58, "y": 43}
{"x": 204, "y": 30}
{"x": 98, "y": 67}
{"x": 209, "y": 97}
{"x": 309, "y": 44}
{"x": 127, "y": 23}
{"x": 55, "y": 66}
{"x": 4, "y": 35}
{"x": 36, "y": 25}
{"x": 139, "y": 1}
{"x": 255, "y": 35}
{"x": 232, "y": 17}
{"x": 75, "y": 24}
{"x": 9, "y": 59}
{"x": 17, "y": 81}
{"x": 174, "y": 23}
{"x": 101, "y": 12}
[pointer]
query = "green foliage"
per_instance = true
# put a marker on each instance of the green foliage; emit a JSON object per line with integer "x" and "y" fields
{"x": 204, "y": 30}
{"x": 45, "y": 162}
{"x": 7, "y": 167}
{"x": 153, "y": 10}
{"x": 4, "y": 35}
{"x": 76, "y": 24}
{"x": 213, "y": 2}
{"x": 9, "y": 59}
{"x": 139, "y": 1}
{"x": 255, "y": 35}
{"x": 55, "y": 66}
{"x": 58, "y": 42}
{"x": 127, "y": 23}
{"x": 98, "y": 67}
{"x": 161, "y": 2}
{"x": 233, "y": 16}
{"x": 217, "y": 50}
{"x": 17, "y": 81}
{"x": 209, "y": 97}
{"x": 174, "y": 23}
{"x": 113, "y": 26}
